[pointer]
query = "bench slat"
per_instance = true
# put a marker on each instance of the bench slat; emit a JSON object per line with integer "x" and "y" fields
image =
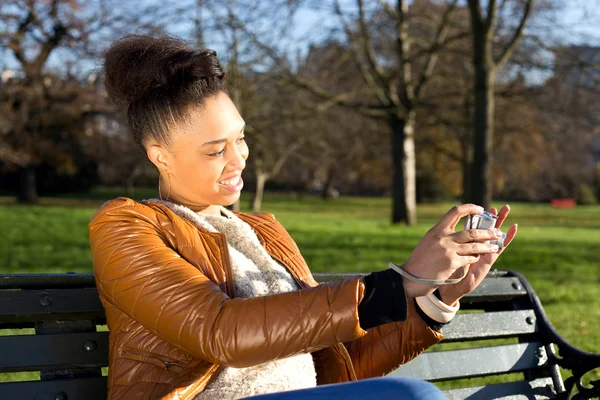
{"x": 46, "y": 281}
{"x": 538, "y": 389}
{"x": 493, "y": 288}
{"x": 468, "y": 363}
{"x": 65, "y": 350}
{"x": 490, "y": 325}
{"x": 82, "y": 388}
{"x": 52, "y": 304}
{"x": 27, "y": 305}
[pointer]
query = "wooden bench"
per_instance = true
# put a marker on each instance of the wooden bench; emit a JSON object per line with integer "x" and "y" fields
{"x": 59, "y": 332}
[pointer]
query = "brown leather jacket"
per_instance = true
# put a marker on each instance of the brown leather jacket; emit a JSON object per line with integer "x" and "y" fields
{"x": 174, "y": 318}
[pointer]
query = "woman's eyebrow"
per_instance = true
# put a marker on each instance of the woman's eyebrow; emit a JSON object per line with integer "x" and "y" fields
{"x": 218, "y": 141}
{"x": 214, "y": 142}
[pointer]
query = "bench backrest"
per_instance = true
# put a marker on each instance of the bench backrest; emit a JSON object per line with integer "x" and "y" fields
{"x": 49, "y": 324}
{"x": 495, "y": 334}
{"x": 55, "y": 324}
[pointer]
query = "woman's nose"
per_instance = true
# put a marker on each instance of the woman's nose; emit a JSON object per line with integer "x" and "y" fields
{"x": 239, "y": 156}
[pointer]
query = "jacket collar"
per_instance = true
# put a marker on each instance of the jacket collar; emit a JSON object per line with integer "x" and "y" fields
{"x": 271, "y": 234}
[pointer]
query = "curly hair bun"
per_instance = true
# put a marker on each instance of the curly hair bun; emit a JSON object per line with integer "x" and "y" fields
{"x": 139, "y": 65}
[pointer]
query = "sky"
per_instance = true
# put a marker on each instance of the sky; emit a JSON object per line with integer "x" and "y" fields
{"x": 577, "y": 22}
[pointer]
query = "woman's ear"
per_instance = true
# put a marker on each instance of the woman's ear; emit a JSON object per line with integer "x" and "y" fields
{"x": 159, "y": 157}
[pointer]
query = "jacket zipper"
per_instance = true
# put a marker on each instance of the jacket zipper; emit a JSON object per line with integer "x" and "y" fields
{"x": 229, "y": 284}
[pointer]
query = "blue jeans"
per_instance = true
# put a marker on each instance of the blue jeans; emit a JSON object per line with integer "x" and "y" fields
{"x": 398, "y": 388}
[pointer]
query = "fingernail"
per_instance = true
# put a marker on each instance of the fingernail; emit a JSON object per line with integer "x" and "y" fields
{"x": 495, "y": 248}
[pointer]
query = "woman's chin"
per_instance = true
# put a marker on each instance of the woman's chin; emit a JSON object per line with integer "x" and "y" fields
{"x": 229, "y": 199}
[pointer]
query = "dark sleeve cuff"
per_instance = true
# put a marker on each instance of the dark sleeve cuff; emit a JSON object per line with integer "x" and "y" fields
{"x": 433, "y": 324}
{"x": 384, "y": 300}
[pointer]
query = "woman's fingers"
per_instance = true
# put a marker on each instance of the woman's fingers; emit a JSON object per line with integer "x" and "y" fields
{"x": 504, "y": 211}
{"x": 452, "y": 217}
{"x": 510, "y": 235}
{"x": 476, "y": 248}
{"x": 474, "y": 235}
{"x": 467, "y": 260}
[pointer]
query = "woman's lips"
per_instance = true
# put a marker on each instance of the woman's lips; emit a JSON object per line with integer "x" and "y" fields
{"x": 233, "y": 185}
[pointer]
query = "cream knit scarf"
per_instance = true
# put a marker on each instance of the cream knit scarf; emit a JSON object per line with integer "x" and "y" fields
{"x": 255, "y": 273}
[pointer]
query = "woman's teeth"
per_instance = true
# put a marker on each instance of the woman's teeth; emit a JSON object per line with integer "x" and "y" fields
{"x": 230, "y": 182}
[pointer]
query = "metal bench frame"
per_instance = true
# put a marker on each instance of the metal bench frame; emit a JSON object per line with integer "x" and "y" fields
{"x": 69, "y": 352}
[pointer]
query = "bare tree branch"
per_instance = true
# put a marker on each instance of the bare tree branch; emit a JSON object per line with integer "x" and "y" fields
{"x": 370, "y": 110}
{"x": 433, "y": 55}
{"x": 367, "y": 45}
{"x": 511, "y": 45}
{"x": 59, "y": 31}
{"x": 491, "y": 15}
{"x": 441, "y": 149}
{"x": 15, "y": 157}
{"x": 368, "y": 74}
{"x": 281, "y": 160}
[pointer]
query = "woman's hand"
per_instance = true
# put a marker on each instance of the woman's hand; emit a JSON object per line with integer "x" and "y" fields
{"x": 478, "y": 270}
{"x": 442, "y": 251}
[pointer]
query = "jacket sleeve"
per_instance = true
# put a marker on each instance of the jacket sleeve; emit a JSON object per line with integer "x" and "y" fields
{"x": 384, "y": 348}
{"x": 137, "y": 272}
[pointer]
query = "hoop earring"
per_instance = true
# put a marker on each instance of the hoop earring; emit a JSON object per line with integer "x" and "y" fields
{"x": 169, "y": 192}
{"x": 160, "y": 191}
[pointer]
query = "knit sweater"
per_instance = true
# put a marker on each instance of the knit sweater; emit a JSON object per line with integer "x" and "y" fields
{"x": 255, "y": 274}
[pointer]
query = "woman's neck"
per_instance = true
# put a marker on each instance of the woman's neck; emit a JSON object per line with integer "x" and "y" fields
{"x": 198, "y": 208}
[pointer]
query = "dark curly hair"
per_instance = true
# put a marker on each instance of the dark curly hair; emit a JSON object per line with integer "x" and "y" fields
{"x": 159, "y": 78}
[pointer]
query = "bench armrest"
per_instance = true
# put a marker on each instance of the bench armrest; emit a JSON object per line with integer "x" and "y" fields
{"x": 569, "y": 357}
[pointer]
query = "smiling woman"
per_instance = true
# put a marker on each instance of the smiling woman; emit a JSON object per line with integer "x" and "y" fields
{"x": 203, "y": 303}
{"x": 181, "y": 116}
{"x": 202, "y": 166}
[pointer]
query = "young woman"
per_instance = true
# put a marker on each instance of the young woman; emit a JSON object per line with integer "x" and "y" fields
{"x": 203, "y": 303}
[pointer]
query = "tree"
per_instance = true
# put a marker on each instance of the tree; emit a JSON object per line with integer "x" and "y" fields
{"x": 59, "y": 155}
{"x": 486, "y": 62}
{"x": 344, "y": 148}
{"x": 397, "y": 85}
{"x": 32, "y": 32}
{"x": 28, "y": 24}
{"x": 252, "y": 60}
{"x": 272, "y": 130}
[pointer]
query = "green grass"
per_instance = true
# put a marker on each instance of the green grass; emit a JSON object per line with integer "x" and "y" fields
{"x": 557, "y": 250}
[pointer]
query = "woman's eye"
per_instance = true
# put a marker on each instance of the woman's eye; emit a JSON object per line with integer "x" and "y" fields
{"x": 218, "y": 153}
{"x": 241, "y": 140}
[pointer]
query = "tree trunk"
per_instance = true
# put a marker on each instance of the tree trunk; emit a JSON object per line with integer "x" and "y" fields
{"x": 483, "y": 123}
{"x": 481, "y": 177}
{"x": 466, "y": 180}
{"x": 27, "y": 188}
{"x": 404, "y": 178}
{"x": 130, "y": 188}
{"x": 326, "y": 192}
{"x": 261, "y": 179}
{"x": 130, "y": 181}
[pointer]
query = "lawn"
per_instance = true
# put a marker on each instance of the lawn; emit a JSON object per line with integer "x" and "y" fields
{"x": 557, "y": 250}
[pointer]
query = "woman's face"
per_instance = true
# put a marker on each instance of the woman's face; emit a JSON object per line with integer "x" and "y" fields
{"x": 204, "y": 163}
